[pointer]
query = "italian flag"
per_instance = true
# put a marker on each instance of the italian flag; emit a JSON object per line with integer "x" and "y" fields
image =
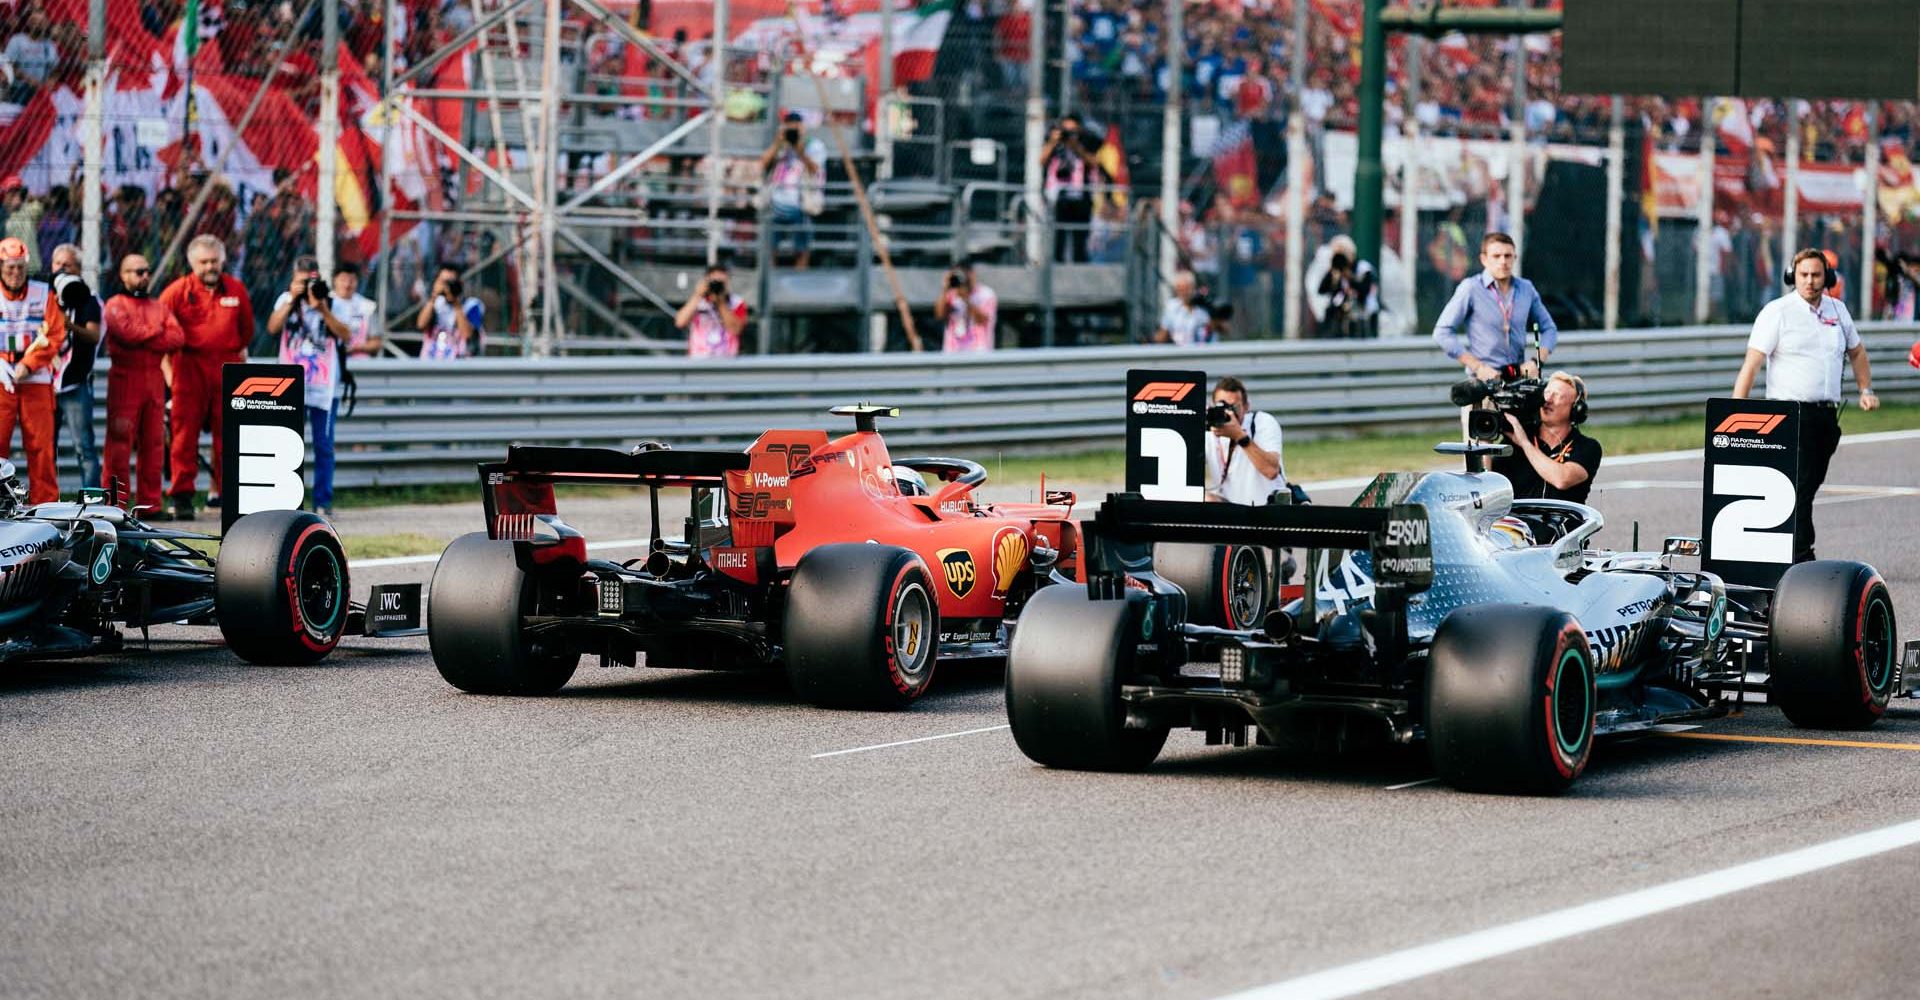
{"x": 916, "y": 39}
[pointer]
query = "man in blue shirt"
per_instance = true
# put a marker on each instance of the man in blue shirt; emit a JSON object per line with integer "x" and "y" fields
{"x": 1495, "y": 308}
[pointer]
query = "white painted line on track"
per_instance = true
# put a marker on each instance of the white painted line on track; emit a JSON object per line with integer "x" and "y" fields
{"x": 619, "y": 543}
{"x": 1442, "y": 956}
{"x": 1412, "y": 784}
{"x": 901, "y": 743}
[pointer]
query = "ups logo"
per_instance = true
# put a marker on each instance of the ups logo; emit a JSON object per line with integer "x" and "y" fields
{"x": 957, "y": 566}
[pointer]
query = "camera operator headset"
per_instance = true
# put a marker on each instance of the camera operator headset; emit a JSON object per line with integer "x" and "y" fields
{"x": 1243, "y": 460}
{"x": 1552, "y": 459}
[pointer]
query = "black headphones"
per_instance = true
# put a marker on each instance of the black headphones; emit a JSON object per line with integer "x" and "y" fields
{"x": 1833, "y": 276}
{"x": 1579, "y": 412}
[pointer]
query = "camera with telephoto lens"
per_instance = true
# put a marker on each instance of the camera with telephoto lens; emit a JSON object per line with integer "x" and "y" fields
{"x": 791, "y": 134}
{"x": 716, "y": 287}
{"x": 1219, "y": 414}
{"x": 955, "y": 279}
{"x": 1520, "y": 397}
{"x": 317, "y": 289}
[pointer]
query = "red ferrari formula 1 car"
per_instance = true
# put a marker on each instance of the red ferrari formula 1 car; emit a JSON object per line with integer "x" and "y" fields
{"x": 827, "y": 557}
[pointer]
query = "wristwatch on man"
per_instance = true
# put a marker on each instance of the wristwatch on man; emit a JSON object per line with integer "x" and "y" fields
{"x": 1245, "y": 439}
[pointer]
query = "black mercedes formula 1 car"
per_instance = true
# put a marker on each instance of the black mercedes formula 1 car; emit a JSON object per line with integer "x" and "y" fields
{"x": 1440, "y": 610}
{"x": 74, "y": 573}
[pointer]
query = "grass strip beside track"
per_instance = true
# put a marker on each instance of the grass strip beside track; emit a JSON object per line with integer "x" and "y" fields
{"x": 405, "y": 543}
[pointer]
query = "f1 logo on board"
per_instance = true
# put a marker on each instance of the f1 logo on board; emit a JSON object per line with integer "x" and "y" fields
{"x": 1757, "y": 423}
{"x": 1175, "y": 391}
{"x": 246, "y": 394}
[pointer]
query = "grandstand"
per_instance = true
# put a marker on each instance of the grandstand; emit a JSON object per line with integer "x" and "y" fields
{"x": 653, "y": 169}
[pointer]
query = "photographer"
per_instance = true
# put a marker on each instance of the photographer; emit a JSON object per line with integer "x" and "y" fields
{"x": 451, "y": 331}
{"x": 311, "y": 337}
{"x": 1553, "y": 460}
{"x": 73, "y": 403}
{"x": 1071, "y": 170}
{"x": 1345, "y": 297}
{"x": 968, "y": 308}
{"x": 713, "y": 317}
{"x": 1243, "y": 464}
{"x": 796, "y": 180}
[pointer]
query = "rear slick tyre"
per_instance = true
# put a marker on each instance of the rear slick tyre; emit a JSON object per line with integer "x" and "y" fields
{"x": 1064, "y": 669}
{"x": 1226, "y": 585}
{"x": 475, "y": 605}
{"x": 1510, "y": 700}
{"x": 280, "y": 588}
{"x": 863, "y": 627}
{"x": 1831, "y": 649}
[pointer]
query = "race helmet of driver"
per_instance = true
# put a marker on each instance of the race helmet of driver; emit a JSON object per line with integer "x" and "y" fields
{"x": 909, "y": 482}
{"x": 1510, "y": 532}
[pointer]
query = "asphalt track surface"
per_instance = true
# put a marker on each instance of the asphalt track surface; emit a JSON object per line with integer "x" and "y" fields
{"x": 176, "y": 824}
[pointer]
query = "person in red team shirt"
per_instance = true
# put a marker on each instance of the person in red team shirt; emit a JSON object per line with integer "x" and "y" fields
{"x": 214, "y": 313}
{"x": 32, "y": 331}
{"x": 140, "y": 331}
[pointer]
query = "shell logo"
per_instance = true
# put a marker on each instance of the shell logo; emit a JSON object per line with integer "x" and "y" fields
{"x": 1009, "y": 558}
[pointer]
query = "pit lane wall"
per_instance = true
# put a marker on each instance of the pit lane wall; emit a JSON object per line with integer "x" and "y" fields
{"x": 429, "y": 422}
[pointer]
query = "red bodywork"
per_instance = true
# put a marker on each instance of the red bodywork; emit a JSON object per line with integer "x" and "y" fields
{"x": 801, "y": 490}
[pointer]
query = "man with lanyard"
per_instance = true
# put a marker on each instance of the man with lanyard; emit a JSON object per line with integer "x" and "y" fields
{"x": 73, "y": 403}
{"x": 310, "y": 336}
{"x": 968, "y": 307}
{"x": 1243, "y": 462}
{"x": 1495, "y": 307}
{"x": 1556, "y": 461}
{"x": 713, "y": 317}
{"x": 1805, "y": 338}
{"x": 32, "y": 334}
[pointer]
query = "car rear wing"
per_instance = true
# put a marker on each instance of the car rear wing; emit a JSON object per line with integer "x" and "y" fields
{"x": 517, "y": 494}
{"x": 1120, "y": 538}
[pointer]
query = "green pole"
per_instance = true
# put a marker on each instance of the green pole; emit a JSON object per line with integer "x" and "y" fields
{"x": 1368, "y": 177}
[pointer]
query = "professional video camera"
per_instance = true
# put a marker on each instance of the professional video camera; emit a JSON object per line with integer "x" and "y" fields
{"x": 1520, "y": 397}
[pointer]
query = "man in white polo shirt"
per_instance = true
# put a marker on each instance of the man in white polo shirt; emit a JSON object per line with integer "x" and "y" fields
{"x": 1805, "y": 338}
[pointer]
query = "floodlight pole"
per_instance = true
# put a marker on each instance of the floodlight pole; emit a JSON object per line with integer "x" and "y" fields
{"x": 1369, "y": 178}
{"x": 1296, "y": 178}
{"x": 1703, "y": 235}
{"x": 92, "y": 151}
{"x": 325, "y": 202}
{"x": 1616, "y": 184}
{"x": 1170, "y": 118}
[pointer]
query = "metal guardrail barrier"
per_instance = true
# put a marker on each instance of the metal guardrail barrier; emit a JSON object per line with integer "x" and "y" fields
{"x": 420, "y": 422}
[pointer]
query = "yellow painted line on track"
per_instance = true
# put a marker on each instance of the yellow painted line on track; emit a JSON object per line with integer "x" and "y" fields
{"x": 1793, "y": 741}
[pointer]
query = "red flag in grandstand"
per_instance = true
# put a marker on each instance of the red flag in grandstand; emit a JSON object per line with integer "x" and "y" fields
{"x": 1235, "y": 169}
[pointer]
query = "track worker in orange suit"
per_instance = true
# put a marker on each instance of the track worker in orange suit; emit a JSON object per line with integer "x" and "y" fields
{"x": 32, "y": 333}
{"x": 140, "y": 331}
{"x": 217, "y": 318}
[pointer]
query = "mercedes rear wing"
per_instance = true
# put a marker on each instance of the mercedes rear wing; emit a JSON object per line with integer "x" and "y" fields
{"x": 1119, "y": 540}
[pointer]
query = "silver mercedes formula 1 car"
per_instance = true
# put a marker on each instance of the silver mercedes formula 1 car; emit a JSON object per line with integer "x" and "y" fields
{"x": 74, "y": 573}
{"x": 1443, "y": 610}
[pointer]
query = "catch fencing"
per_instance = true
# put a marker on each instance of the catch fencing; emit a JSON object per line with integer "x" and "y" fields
{"x": 428, "y": 422}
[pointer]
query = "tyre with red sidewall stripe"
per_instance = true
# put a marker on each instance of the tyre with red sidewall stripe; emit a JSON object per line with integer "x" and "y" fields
{"x": 1226, "y": 585}
{"x": 1510, "y": 699}
{"x": 862, "y": 626}
{"x": 281, "y": 587}
{"x": 1832, "y": 653}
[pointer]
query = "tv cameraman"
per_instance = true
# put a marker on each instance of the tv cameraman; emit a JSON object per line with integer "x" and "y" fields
{"x": 1554, "y": 460}
{"x": 968, "y": 307}
{"x": 1243, "y": 465}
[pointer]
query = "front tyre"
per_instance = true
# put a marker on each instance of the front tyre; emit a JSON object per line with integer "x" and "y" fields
{"x": 475, "y": 605}
{"x": 862, "y": 626}
{"x": 1510, "y": 699}
{"x": 280, "y": 588}
{"x": 1831, "y": 649}
{"x": 1064, "y": 669}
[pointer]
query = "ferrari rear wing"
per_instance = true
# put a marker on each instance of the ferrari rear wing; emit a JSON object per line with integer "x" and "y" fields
{"x": 1120, "y": 538}
{"x": 517, "y": 494}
